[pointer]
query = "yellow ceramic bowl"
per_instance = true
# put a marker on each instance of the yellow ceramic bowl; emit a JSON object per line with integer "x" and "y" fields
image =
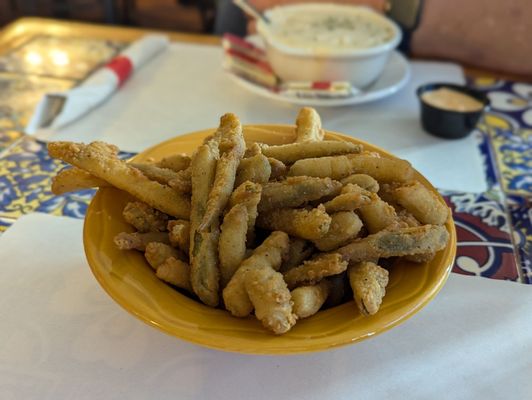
{"x": 129, "y": 280}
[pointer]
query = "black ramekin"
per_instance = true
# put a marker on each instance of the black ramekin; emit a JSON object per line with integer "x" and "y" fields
{"x": 445, "y": 123}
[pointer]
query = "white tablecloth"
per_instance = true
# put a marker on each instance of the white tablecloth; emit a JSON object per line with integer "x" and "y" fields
{"x": 62, "y": 337}
{"x": 185, "y": 89}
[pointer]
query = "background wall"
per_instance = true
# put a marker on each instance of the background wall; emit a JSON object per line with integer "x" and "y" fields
{"x": 178, "y": 15}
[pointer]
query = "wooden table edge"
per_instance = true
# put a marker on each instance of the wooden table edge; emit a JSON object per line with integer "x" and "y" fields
{"x": 15, "y": 33}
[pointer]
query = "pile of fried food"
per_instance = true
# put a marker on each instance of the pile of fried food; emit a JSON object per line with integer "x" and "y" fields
{"x": 275, "y": 230}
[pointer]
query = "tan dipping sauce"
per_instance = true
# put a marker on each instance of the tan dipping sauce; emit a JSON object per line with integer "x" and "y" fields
{"x": 452, "y": 100}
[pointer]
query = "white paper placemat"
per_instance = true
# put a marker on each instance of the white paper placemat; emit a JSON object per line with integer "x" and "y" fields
{"x": 185, "y": 89}
{"x": 62, "y": 337}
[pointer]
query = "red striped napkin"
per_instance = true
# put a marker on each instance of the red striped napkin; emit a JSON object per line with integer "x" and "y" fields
{"x": 59, "y": 109}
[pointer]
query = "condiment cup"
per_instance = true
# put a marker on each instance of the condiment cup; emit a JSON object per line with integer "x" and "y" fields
{"x": 446, "y": 123}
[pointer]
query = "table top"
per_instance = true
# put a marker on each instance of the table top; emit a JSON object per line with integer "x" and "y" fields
{"x": 494, "y": 229}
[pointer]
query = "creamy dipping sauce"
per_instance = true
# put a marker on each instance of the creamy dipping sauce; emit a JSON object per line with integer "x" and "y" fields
{"x": 452, "y": 100}
{"x": 334, "y": 27}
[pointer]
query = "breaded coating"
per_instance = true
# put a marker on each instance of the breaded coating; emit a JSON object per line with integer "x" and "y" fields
{"x": 422, "y": 203}
{"x": 368, "y": 282}
{"x": 232, "y": 147}
{"x": 370, "y": 153}
{"x": 249, "y": 194}
{"x": 271, "y": 299}
{"x": 378, "y": 215}
{"x": 290, "y": 153}
{"x": 420, "y": 258}
{"x": 353, "y": 188}
{"x": 314, "y": 270}
{"x": 306, "y": 224}
{"x": 335, "y": 167}
{"x": 406, "y": 241}
{"x": 182, "y": 182}
{"x": 308, "y": 126}
{"x": 254, "y": 169}
{"x": 179, "y": 234}
{"x": 175, "y": 162}
{"x": 161, "y": 175}
{"x": 107, "y": 148}
{"x": 339, "y": 167}
{"x": 144, "y": 218}
{"x": 244, "y": 193}
{"x": 309, "y": 299}
{"x": 345, "y": 226}
{"x": 406, "y": 219}
{"x": 156, "y": 253}
{"x": 278, "y": 168}
{"x": 269, "y": 254}
{"x": 107, "y": 166}
{"x": 351, "y": 198}
{"x": 139, "y": 241}
{"x": 382, "y": 169}
{"x": 296, "y": 191}
{"x": 203, "y": 168}
{"x": 204, "y": 273}
{"x": 74, "y": 179}
{"x": 299, "y": 251}
{"x": 364, "y": 181}
{"x": 252, "y": 150}
{"x": 232, "y": 244}
{"x": 175, "y": 272}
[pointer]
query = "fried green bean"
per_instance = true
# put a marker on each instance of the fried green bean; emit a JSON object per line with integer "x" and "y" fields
{"x": 296, "y": 191}
{"x": 406, "y": 241}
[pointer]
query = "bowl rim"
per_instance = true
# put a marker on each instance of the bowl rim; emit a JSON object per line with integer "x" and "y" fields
{"x": 206, "y": 340}
{"x": 264, "y": 32}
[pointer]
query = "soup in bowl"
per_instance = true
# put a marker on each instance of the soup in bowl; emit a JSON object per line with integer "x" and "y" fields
{"x": 328, "y": 42}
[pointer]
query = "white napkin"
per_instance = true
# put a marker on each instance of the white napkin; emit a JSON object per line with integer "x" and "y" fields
{"x": 62, "y": 337}
{"x": 56, "y": 110}
{"x": 185, "y": 89}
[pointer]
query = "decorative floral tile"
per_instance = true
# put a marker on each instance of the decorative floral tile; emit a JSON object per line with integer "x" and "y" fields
{"x": 484, "y": 237}
{"x": 510, "y": 100}
{"x": 520, "y": 209}
{"x": 20, "y": 94}
{"x": 508, "y": 128}
{"x": 6, "y": 223}
{"x": 513, "y": 152}
{"x": 8, "y": 137}
{"x": 514, "y": 99}
{"x": 485, "y": 83}
{"x": 488, "y": 157}
{"x": 25, "y": 177}
{"x": 59, "y": 57}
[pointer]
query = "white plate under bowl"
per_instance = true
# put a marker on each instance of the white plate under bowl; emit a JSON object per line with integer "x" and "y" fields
{"x": 394, "y": 77}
